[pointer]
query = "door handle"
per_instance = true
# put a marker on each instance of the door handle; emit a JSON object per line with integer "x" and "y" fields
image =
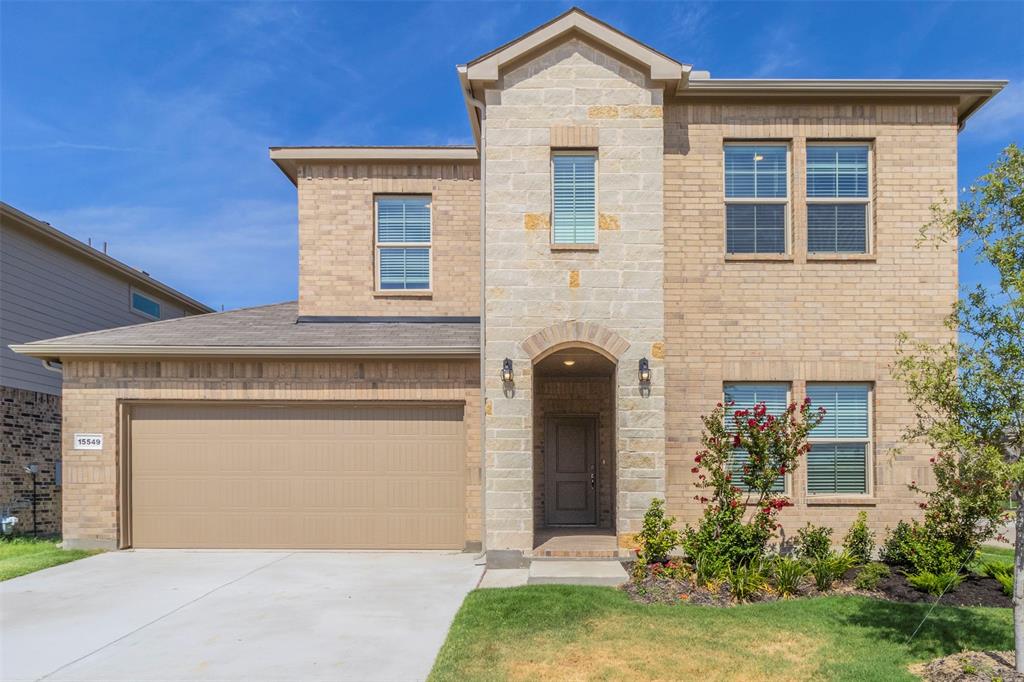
{"x": 593, "y": 480}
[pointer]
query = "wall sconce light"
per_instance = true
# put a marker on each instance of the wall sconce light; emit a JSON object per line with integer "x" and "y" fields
{"x": 645, "y": 371}
{"x": 644, "y": 375}
{"x": 507, "y": 378}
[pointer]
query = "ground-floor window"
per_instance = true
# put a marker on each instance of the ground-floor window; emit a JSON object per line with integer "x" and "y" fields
{"x": 838, "y": 461}
{"x": 744, "y": 396}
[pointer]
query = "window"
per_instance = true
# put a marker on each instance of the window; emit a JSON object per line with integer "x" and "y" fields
{"x": 756, "y": 198}
{"x": 574, "y": 192}
{"x": 837, "y": 463}
{"x": 838, "y": 198}
{"x": 144, "y": 305}
{"x": 745, "y": 396}
{"x": 403, "y": 243}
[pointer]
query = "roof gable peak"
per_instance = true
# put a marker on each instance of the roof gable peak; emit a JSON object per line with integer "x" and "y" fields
{"x": 659, "y": 67}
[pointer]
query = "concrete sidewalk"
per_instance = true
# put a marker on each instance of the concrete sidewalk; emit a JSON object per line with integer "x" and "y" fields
{"x": 181, "y": 615}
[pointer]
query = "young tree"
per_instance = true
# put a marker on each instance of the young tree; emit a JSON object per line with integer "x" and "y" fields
{"x": 969, "y": 395}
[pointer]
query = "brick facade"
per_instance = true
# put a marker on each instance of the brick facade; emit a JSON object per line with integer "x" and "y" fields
{"x": 93, "y": 391}
{"x": 30, "y": 434}
{"x": 804, "y": 318}
{"x": 336, "y": 238}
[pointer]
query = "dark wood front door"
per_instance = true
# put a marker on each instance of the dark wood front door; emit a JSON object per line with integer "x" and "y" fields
{"x": 570, "y": 470}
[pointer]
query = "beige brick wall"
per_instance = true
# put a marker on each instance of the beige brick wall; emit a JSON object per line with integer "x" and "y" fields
{"x": 94, "y": 389}
{"x": 531, "y": 287}
{"x": 802, "y": 320}
{"x": 336, "y": 238}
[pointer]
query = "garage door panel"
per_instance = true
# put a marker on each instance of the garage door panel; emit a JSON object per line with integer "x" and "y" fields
{"x": 301, "y": 476}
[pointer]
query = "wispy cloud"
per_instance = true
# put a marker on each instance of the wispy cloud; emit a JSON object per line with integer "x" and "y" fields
{"x": 82, "y": 146}
{"x": 1001, "y": 119}
{"x": 780, "y": 53}
{"x": 241, "y": 253}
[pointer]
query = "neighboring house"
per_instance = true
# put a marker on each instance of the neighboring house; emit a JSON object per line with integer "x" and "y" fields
{"x": 641, "y": 241}
{"x": 53, "y": 285}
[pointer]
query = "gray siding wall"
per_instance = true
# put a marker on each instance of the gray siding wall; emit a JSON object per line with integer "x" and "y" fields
{"x": 47, "y": 291}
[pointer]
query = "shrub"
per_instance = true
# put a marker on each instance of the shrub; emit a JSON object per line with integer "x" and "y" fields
{"x": 920, "y": 548}
{"x": 1006, "y": 581}
{"x": 994, "y": 569}
{"x": 813, "y": 542}
{"x": 746, "y": 581}
{"x": 829, "y": 568}
{"x": 897, "y": 544}
{"x": 709, "y": 568}
{"x": 774, "y": 445}
{"x": 787, "y": 575}
{"x": 871, "y": 575}
{"x": 658, "y": 537}
{"x": 935, "y": 583}
{"x": 859, "y": 540}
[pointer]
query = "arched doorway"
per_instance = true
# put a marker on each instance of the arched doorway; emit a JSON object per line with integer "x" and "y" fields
{"x": 573, "y": 451}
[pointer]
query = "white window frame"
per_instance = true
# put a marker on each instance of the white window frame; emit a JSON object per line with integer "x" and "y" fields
{"x": 377, "y": 245}
{"x": 869, "y": 444}
{"x": 868, "y": 201}
{"x": 131, "y": 304}
{"x": 786, "y": 477}
{"x": 597, "y": 188}
{"x": 787, "y": 246}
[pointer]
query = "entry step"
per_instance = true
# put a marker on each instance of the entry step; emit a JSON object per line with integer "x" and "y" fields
{"x": 553, "y": 572}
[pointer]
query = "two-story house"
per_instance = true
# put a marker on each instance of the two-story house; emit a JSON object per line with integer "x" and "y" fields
{"x": 52, "y": 284}
{"x": 498, "y": 344}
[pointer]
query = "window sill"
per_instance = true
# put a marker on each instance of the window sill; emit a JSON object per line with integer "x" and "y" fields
{"x": 841, "y": 501}
{"x": 399, "y": 293}
{"x": 841, "y": 257}
{"x": 757, "y": 257}
{"x": 574, "y": 247}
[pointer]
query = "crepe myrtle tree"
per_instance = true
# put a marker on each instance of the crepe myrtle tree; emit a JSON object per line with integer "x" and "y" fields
{"x": 968, "y": 394}
{"x": 773, "y": 446}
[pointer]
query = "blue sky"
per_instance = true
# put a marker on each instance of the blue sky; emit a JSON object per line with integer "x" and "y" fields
{"x": 146, "y": 125}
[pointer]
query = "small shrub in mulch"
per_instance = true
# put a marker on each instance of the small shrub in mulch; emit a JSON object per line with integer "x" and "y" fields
{"x": 975, "y": 666}
{"x": 973, "y": 591}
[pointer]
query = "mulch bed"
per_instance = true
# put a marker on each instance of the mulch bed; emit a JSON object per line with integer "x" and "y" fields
{"x": 974, "y": 591}
{"x": 975, "y": 666}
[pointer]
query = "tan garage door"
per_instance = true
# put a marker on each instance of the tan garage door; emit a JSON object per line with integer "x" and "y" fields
{"x": 297, "y": 476}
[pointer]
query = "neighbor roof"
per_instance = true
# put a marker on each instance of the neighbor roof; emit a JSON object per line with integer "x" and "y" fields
{"x": 270, "y": 330}
{"x": 12, "y": 216}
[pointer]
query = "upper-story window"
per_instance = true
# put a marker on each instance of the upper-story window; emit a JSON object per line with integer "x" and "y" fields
{"x": 144, "y": 305}
{"x": 838, "y": 198}
{"x": 574, "y": 192}
{"x": 745, "y": 396}
{"x": 756, "y": 197}
{"x": 838, "y": 461}
{"x": 403, "y": 243}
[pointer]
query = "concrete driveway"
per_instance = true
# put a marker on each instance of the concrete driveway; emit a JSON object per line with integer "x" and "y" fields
{"x": 233, "y": 615}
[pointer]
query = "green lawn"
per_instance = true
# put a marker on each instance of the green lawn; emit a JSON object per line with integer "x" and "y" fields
{"x": 556, "y": 632}
{"x": 25, "y": 555}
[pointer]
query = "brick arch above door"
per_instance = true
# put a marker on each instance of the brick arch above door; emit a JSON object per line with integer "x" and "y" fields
{"x": 575, "y": 333}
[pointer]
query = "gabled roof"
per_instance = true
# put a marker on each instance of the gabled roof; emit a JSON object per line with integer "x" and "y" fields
{"x": 270, "y": 331}
{"x": 659, "y": 66}
{"x": 12, "y": 216}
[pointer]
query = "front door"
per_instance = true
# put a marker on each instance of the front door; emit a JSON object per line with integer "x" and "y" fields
{"x": 570, "y": 470}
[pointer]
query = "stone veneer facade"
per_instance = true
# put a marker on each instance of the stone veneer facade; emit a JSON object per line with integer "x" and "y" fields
{"x": 572, "y": 95}
{"x": 30, "y": 434}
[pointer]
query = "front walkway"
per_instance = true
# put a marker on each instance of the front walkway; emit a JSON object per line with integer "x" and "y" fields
{"x": 244, "y": 615}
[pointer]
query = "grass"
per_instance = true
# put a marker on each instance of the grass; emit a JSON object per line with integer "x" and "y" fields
{"x": 557, "y": 632}
{"x": 27, "y": 555}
